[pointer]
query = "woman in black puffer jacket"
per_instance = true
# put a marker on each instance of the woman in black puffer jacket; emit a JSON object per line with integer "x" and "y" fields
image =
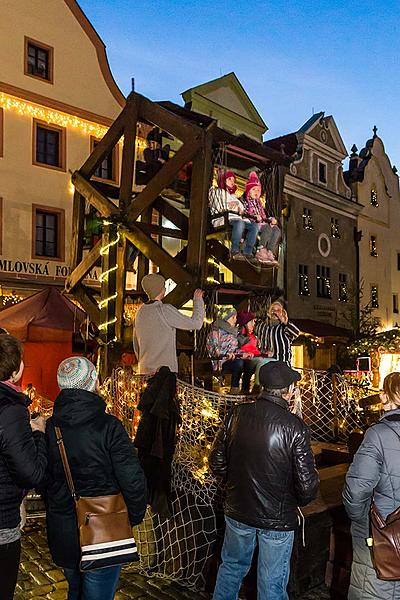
{"x": 23, "y": 459}
{"x": 374, "y": 473}
{"x": 103, "y": 461}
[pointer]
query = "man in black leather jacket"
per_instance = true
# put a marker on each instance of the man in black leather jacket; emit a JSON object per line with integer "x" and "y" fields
{"x": 264, "y": 453}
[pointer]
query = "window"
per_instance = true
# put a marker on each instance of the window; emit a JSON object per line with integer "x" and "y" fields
{"x": 398, "y": 261}
{"x": 304, "y": 290}
{"x": 307, "y": 219}
{"x": 48, "y": 235}
{"x": 374, "y": 197}
{"x": 108, "y": 169}
{"x": 48, "y": 145}
{"x": 374, "y": 296}
{"x": 38, "y": 60}
{"x": 343, "y": 292}
{"x": 395, "y": 303}
{"x": 372, "y": 246}
{"x": 1, "y": 132}
{"x": 322, "y": 167}
{"x": 335, "y": 233}
{"x": 323, "y": 282}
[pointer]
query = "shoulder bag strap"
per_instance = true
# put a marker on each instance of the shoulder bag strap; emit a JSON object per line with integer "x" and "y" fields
{"x": 65, "y": 463}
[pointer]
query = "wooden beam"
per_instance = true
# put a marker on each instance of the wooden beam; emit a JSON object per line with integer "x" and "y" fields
{"x": 159, "y": 230}
{"x": 164, "y": 176}
{"x": 105, "y": 207}
{"x": 198, "y": 222}
{"x": 179, "y": 295}
{"x": 169, "y": 265}
{"x": 128, "y": 156}
{"x": 108, "y": 283}
{"x": 248, "y": 273}
{"x": 121, "y": 284}
{"x": 172, "y": 213}
{"x": 80, "y": 272}
{"x": 89, "y": 304}
{"x": 143, "y": 261}
{"x": 108, "y": 141}
{"x": 78, "y": 230}
{"x": 180, "y": 128}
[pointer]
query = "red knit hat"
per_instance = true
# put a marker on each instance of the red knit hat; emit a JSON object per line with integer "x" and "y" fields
{"x": 252, "y": 181}
{"x": 244, "y": 316}
{"x": 222, "y": 177}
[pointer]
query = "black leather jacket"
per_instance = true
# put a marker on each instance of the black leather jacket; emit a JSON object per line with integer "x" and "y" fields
{"x": 264, "y": 453}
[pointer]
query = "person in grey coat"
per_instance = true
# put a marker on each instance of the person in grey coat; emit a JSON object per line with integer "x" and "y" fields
{"x": 374, "y": 474}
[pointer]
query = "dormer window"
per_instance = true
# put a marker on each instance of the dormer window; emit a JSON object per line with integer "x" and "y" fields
{"x": 322, "y": 172}
{"x": 374, "y": 197}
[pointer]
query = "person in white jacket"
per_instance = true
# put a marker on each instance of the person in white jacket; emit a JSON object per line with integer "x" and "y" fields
{"x": 155, "y": 325}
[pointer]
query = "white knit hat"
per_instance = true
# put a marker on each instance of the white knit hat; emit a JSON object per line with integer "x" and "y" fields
{"x": 77, "y": 372}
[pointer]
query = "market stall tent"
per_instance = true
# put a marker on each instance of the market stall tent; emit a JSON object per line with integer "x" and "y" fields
{"x": 45, "y": 323}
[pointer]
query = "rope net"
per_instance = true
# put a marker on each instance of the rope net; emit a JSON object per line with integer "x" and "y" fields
{"x": 181, "y": 547}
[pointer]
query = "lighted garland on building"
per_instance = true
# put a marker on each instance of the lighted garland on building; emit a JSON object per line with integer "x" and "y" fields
{"x": 388, "y": 341}
{"x": 58, "y": 118}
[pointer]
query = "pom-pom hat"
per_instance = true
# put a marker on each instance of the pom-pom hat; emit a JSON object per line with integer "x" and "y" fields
{"x": 252, "y": 181}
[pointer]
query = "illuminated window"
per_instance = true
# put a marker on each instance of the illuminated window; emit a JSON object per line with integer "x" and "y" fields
{"x": 374, "y": 296}
{"x": 107, "y": 170}
{"x": 323, "y": 282}
{"x": 38, "y": 60}
{"x": 48, "y": 145}
{"x": 374, "y": 197}
{"x": 307, "y": 219}
{"x": 372, "y": 246}
{"x": 335, "y": 233}
{"x": 343, "y": 292}
{"x": 304, "y": 289}
{"x": 48, "y": 232}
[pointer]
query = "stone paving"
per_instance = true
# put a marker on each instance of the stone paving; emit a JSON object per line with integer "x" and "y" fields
{"x": 39, "y": 578}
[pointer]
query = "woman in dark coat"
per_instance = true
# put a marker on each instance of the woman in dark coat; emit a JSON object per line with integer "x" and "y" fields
{"x": 23, "y": 459}
{"x": 374, "y": 474}
{"x": 103, "y": 461}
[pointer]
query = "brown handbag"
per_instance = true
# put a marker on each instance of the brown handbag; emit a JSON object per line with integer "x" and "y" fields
{"x": 385, "y": 542}
{"x": 105, "y": 534}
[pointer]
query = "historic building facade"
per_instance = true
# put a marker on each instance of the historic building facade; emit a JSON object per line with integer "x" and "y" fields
{"x": 57, "y": 98}
{"x": 319, "y": 253}
{"x": 375, "y": 184}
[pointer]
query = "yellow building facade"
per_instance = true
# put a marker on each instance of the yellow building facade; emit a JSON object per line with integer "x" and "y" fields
{"x": 57, "y": 97}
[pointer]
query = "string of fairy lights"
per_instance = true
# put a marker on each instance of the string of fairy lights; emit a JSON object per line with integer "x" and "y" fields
{"x": 103, "y": 303}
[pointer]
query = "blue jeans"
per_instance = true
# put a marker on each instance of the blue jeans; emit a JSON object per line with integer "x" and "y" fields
{"x": 238, "y": 228}
{"x": 273, "y": 568}
{"x": 236, "y": 368}
{"x": 100, "y": 584}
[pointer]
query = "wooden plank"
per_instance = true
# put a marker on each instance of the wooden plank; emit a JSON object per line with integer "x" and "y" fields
{"x": 198, "y": 220}
{"x": 78, "y": 230}
{"x": 143, "y": 261}
{"x": 179, "y": 295}
{"x": 159, "y": 230}
{"x": 108, "y": 141}
{"x": 121, "y": 284}
{"x": 105, "y": 207}
{"x": 181, "y": 128}
{"x": 80, "y": 272}
{"x": 164, "y": 176}
{"x": 254, "y": 275}
{"x": 108, "y": 284}
{"x": 172, "y": 213}
{"x": 169, "y": 265}
{"x": 89, "y": 305}
{"x": 128, "y": 157}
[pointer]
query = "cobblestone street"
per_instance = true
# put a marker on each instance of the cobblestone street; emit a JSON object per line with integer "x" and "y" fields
{"x": 40, "y": 578}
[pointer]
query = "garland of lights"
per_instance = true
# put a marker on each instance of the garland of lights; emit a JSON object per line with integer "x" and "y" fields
{"x": 385, "y": 340}
{"x": 105, "y": 250}
{"x": 58, "y": 118}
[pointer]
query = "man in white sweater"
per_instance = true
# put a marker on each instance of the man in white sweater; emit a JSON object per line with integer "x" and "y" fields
{"x": 155, "y": 325}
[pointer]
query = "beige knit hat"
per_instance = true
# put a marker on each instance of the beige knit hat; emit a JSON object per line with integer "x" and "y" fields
{"x": 153, "y": 284}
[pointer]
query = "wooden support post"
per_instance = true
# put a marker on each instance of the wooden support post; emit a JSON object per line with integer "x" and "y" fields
{"x": 172, "y": 214}
{"x": 128, "y": 157}
{"x": 108, "y": 280}
{"x": 180, "y": 128}
{"x": 96, "y": 198}
{"x": 78, "y": 230}
{"x": 120, "y": 289}
{"x": 196, "y": 255}
{"x": 143, "y": 261}
{"x": 86, "y": 265}
{"x": 88, "y": 303}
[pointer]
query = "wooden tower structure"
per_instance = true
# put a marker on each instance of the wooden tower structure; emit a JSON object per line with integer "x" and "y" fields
{"x": 127, "y": 214}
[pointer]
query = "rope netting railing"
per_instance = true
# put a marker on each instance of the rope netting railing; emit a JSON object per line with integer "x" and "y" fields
{"x": 180, "y": 547}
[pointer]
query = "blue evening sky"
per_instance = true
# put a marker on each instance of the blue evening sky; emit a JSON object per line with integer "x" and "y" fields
{"x": 292, "y": 57}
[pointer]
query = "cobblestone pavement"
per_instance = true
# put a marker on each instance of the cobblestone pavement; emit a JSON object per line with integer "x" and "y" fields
{"x": 39, "y": 578}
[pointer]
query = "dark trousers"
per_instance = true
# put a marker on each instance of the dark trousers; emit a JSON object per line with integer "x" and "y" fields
{"x": 9, "y": 563}
{"x": 237, "y": 368}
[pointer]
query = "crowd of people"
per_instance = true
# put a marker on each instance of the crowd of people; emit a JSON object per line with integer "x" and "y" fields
{"x": 255, "y": 235}
{"x": 262, "y": 452}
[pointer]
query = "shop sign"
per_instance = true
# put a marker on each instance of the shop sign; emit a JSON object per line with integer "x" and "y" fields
{"x": 46, "y": 269}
